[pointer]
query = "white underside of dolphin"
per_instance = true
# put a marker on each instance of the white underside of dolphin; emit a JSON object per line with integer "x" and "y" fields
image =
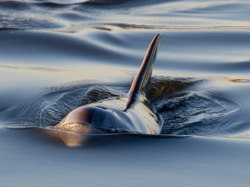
{"x": 132, "y": 114}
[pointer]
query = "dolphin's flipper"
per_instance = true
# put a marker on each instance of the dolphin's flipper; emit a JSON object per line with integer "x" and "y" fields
{"x": 139, "y": 87}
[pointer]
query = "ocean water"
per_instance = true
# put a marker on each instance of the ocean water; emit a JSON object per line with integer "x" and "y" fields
{"x": 61, "y": 54}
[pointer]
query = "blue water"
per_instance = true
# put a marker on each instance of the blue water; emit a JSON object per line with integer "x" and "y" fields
{"x": 58, "y": 55}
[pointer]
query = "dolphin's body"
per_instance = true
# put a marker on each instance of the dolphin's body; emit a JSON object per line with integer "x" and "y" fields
{"x": 131, "y": 114}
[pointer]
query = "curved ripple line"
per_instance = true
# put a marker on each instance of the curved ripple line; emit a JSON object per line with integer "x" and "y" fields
{"x": 184, "y": 111}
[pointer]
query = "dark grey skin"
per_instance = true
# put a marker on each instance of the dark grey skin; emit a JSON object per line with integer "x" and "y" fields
{"x": 131, "y": 114}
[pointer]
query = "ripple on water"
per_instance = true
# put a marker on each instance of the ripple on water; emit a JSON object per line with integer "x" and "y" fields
{"x": 199, "y": 36}
{"x": 125, "y": 14}
{"x": 197, "y": 113}
{"x": 184, "y": 111}
{"x": 14, "y": 5}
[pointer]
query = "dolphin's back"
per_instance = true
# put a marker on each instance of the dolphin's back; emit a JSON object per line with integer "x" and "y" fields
{"x": 132, "y": 114}
{"x": 139, "y": 87}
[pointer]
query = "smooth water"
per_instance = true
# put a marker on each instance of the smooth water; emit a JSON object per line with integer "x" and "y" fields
{"x": 58, "y": 55}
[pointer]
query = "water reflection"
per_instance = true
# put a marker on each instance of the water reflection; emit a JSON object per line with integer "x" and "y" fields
{"x": 241, "y": 80}
{"x": 70, "y": 138}
{"x": 32, "y": 68}
{"x": 143, "y": 14}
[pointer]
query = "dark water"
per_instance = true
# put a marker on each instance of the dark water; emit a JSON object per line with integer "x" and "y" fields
{"x": 58, "y": 55}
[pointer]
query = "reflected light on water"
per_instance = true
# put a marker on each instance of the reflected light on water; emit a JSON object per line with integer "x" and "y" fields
{"x": 241, "y": 80}
{"x": 33, "y": 76}
{"x": 244, "y": 136}
{"x": 70, "y": 138}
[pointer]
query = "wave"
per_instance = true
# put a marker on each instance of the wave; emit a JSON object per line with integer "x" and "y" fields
{"x": 67, "y": 15}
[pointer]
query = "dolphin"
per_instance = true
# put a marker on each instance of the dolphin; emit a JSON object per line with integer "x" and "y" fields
{"x": 131, "y": 114}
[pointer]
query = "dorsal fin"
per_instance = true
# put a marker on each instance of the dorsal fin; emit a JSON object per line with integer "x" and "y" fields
{"x": 139, "y": 87}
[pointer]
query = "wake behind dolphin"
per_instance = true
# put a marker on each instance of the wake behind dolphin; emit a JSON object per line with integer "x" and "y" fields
{"x": 131, "y": 114}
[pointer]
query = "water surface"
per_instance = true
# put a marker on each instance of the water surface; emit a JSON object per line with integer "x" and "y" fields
{"x": 59, "y": 55}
